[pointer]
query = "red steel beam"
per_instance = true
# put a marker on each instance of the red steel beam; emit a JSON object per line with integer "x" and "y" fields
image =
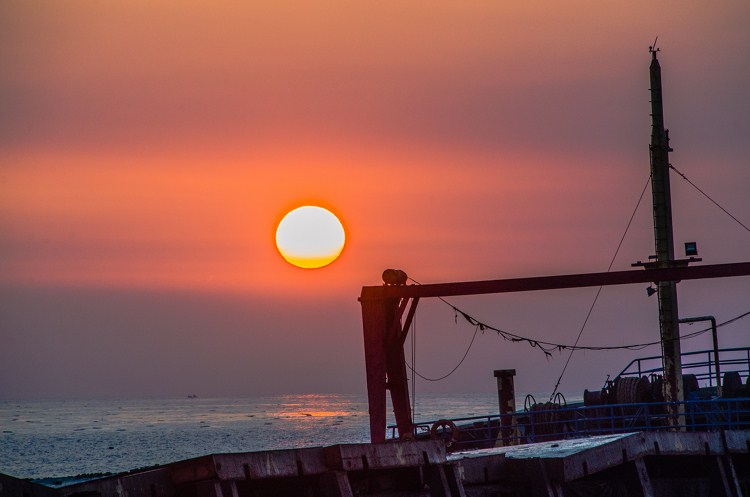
{"x": 384, "y": 292}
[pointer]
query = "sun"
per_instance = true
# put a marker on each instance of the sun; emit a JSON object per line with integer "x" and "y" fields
{"x": 310, "y": 237}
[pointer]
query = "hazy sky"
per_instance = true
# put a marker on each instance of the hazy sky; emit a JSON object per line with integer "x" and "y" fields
{"x": 148, "y": 150}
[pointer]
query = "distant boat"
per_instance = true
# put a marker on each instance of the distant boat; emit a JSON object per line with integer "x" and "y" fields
{"x": 192, "y": 396}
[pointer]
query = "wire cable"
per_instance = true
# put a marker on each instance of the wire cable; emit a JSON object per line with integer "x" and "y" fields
{"x": 709, "y": 198}
{"x": 452, "y": 370}
{"x": 413, "y": 372}
{"x": 733, "y": 319}
{"x": 549, "y": 347}
{"x": 599, "y": 291}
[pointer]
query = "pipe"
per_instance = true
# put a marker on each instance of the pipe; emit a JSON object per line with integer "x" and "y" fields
{"x": 715, "y": 337}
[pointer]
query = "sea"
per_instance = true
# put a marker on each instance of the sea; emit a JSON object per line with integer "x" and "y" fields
{"x": 58, "y": 442}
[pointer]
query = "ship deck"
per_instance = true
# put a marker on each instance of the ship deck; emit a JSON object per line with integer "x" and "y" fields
{"x": 624, "y": 464}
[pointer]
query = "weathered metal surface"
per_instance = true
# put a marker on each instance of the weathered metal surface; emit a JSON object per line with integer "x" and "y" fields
{"x": 506, "y": 396}
{"x": 374, "y": 327}
{"x": 662, "y": 207}
{"x": 190, "y": 470}
{"x": 375, "y": 293}
{"x": 676, "y": 444}
{"x": 146, "y": 483}
{"x": 385, "y": 363}
{"x": 643, "y": 478}
{"x": 544, "y": 450}
{"x": 297, "y": 462}
{"x": 478, "y": 468}
{"x": 12, "y": 487}
{"x": 423, "y": 468}
{"x": 737, "y": 442}
{"x": 254, "y": 465}
{"x": 355, "y": 457}
{"x": 568, "y": 460}
{"x": 586, "y": 459}
{"x": 336, "y": 484}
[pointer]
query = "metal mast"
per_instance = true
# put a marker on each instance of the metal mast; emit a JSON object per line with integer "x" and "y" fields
{"x": 662, "y": 199}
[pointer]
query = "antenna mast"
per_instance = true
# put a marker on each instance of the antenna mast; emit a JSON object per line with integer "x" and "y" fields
{"x": 662, "y": 199}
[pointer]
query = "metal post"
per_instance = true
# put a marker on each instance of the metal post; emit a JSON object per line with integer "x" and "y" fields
{"x": 506, "y": 396}
{"x": 386, "y": 364}
{"x": 715, "y": 339}
{"x": 662, "y": 201}
{"x": 397, "y": 382}
{"x": 374, "y": 326}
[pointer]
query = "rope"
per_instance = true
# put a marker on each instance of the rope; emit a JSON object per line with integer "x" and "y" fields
{"x": 549, "y": 347}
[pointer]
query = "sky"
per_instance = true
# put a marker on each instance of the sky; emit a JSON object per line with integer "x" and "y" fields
{"x": 148, "y": 150}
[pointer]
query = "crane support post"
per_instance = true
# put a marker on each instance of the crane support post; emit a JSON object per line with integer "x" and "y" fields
{"x": 386, "y": 365}
{"x": 374, "y": 328}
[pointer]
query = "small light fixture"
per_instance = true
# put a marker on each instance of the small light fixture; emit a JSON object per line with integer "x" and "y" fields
{"x": 650, "y": 290}
{"x": 691, "y": 249}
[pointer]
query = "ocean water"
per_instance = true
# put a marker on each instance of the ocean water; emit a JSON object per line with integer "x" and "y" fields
{"x": 65, "y": 438}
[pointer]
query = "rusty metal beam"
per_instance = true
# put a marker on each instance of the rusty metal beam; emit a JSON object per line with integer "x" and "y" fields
{"x": 656, "y": 275}
{"x": 374, "y": 326}
{"x": 409, "y": 319}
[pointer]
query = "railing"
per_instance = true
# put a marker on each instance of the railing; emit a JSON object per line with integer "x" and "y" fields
{"x": 700, "y": 363}
{"x": 581, "y": 421}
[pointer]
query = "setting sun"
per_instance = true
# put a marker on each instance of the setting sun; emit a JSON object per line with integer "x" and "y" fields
{"x": 310, "y": 237}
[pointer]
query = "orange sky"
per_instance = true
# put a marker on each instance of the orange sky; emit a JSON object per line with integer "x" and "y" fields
{"x": 148, "y": 150}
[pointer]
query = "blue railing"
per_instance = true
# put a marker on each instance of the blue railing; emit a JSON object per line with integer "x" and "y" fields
{"x": 700, "y": 363}
{"x": 556, "y": 423}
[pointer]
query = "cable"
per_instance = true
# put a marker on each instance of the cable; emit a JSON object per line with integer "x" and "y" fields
{"x": 452, "y": 370}
{"x": 413, "y": 361}
{"x": 599, "y": 291}
{"x": 549, "y": 347}
{"x": 709, "y": 198}
{"x": 732, "y": 320}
